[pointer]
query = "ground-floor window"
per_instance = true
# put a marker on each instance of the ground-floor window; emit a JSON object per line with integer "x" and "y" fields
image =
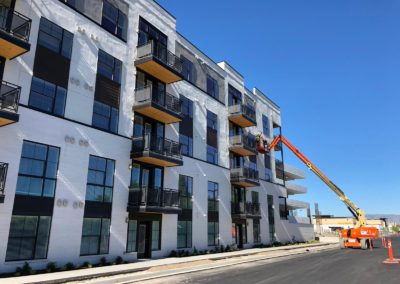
{"x": 155, "y": 235}
{"x": 28, "y": 238}
{"x": 184, "y": 234}
{"x": 95, "y": 236}
{"x": 213, "y": 231}
{"x": 132, "y": 233}
{"x": 272, "y": 232}
{"x": 256, "y": 231}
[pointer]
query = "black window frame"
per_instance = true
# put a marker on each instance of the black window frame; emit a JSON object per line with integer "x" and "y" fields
{"x": 113, "y": 25}
{"x": 212, "y": 203}
{"x": 266, "y": 128}
{"x": 212, "y": 87}
{"x": 43, "y": 177}
{"x": 256, "y": 232}
{"x": 37, "y": 238}
{"x": 212, "y": 155}
{"x": 214, "y": 235}
{"x": 212, "y": 120}
{"x": 111, "y": 63}
{"x": 188, "y": 234}
{"x": 188, "y": 69}
{"x": 283, "y": 211}
{"x": 99, "y": 236}
{"x": 113, "y": 118}
{"x": 186, "y": 143}
{"x": 65, "y": 36}
{"x": 131, "y": 240}
{"x": 185, "y": 191}
{"x": 103, "y": 184}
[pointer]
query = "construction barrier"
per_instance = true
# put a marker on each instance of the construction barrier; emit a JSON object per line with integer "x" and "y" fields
{"x": 391, "y": 259}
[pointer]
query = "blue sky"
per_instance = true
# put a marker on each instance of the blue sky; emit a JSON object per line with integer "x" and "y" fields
{"x": 334, "y": 69}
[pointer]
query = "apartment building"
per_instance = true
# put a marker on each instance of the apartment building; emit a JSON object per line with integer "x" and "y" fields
{"x": 119, "y": 137}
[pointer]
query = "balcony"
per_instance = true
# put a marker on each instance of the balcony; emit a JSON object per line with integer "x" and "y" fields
{"x": 160, "y": 106}
{"x": 244, "y": 177}
{"x": 155, "y": 59}
{"x": 153, "y": 200}
{"x": 3, "y": 176}
{"x": 14, "y": 33}
{"x": 9, "y": 99}
{"x": 243, "y": 210}
{"x": 287, "y": 172}
{"x": 242, "y": 115}
{"x": 293, "y": 204}
{"x": 243, "y": 145}
{"x": 156, "y": 151}
{"x": 295, "y": 189}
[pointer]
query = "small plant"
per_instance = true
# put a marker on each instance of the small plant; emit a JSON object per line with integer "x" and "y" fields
{"x": 26, "y": 269}
{"x": 227, "y": 248}
{"x": 68, "y": 266}
{"x": 173, "y": 254}
{"x": 86, "y": 264}
{"x": 51, "y": 267}
{"x": 195, "y": 252}
{"x": 103, "y": 261}
{"x": 119, "y": 260}
{"x": 186, "y": 253}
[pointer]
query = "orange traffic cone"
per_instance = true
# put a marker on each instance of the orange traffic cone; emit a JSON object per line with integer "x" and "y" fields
{"x": 391, "y": 259}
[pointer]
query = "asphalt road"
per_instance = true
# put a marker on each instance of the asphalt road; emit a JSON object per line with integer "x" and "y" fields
{"x": 334, "y": 266}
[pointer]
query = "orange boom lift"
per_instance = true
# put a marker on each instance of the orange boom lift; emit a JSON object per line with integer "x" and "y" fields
{"x": 358, "y": 237}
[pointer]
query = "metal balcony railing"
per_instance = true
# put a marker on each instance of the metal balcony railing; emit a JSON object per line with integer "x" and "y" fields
{"x": 162, "y": 99}
{"x": 246, "y": 208}
{"x": 15, "y": 23}
{"x": 9, "y": 96}
{"x": 160, "y": 51}
{"x": 153, "y": 196}
{"x": 3, "y": 176}
{"x": 247, "y": 173}
{"x": 243, "y": 109}
{"x": 159, "y": 145}
{"x": 243, "y": 140}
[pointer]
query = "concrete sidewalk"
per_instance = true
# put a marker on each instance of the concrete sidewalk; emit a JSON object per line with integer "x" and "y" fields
{"x": 165, "y": 263}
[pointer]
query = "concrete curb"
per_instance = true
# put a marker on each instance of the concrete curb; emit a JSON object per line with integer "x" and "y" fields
{"x": 87, "y": 274}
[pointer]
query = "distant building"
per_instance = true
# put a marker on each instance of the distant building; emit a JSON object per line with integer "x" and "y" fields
{"x": 328, "y": 223}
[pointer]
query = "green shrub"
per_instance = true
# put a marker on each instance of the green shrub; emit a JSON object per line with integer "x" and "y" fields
{"x": 195, "y": 252}
{"x": 173, "y": 254}
{"x": 119, "y": 260}
{"x": 86, "y": 264}
{"x": 227, "y": 248}
{"x": 24, "y": 270}
{"x": 68, "y": 266}
{"x": 186, "y": 253}
{"x": 103, "y": 261}
{"x": 51, "y": 267}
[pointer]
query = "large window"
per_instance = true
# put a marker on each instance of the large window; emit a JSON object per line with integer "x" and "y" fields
{"x": 212, "y": 154}
{"x": 186, "y": 145}
{"x": 47, "y": 97}
{"x": 184, "y": 234}
{"x": 212, "y": 120}
{"x": 114, "y": 20}
{"x": 256, "y": 231}
{"x": 283, "y": 212}
{"x": 212, "y": 87}
{"x": 38, "y": 170}
{"x": 55, "y": 38}
{"x": 212, "y": 196}
{"x": 105, "y": 117}
{"x": 271, "y": 217}
{"x": 213, "y": 232}
{"x": 95, "y": 236}
{"x": 267, "y": 162}
{"x": 148, "y": 32}
{"x": 265, "y": 122}
{"x": 185, "y": 191}
{"x": 132, "y": 234}
{"x": 28, "y": 238}
{"x": 187, "y": 69}
{"x": 155, "y": 235}
{"x": 100, "y": 179}
{"x": 109, "y": 67}
{"x": 187, "y": 106}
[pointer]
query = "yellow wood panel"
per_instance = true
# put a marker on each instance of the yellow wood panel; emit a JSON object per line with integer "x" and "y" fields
{"x": 159, "y": 71}
{"x": 4, "y": 121}
{"x": 241, "y": 121}
{"x": 10, "y": 50}
{"x": 154, "y": 161}
{"x": 241, "y": 151}
{"x": 243, "y": 184}
{"x": 157, "y": 114}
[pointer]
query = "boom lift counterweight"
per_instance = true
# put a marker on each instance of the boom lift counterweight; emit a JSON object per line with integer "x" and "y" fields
{"x": 360, "y": 236}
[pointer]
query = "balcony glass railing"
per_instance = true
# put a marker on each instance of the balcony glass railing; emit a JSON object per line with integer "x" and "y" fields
{"x": 243, "y": 140}
{"x": 243, "y": 109}
{"x": 160, "y": 51}
{"x": 159, "y": 145}
{"x": 153, "y": 196}
{"x": 162, "y": 99}
{"x": 3, "y": 176}
{"x": 246, "y": 208}
{"x": 15, "y": 23}
{"x": 247, "y": 173}
{"x": 9, "y": 96}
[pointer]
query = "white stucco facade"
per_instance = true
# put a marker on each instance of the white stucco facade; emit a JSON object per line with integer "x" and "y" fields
{"x": 77, "y": 140}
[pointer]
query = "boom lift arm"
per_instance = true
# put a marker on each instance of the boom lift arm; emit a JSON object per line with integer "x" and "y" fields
{"x": 357, "y": 212}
